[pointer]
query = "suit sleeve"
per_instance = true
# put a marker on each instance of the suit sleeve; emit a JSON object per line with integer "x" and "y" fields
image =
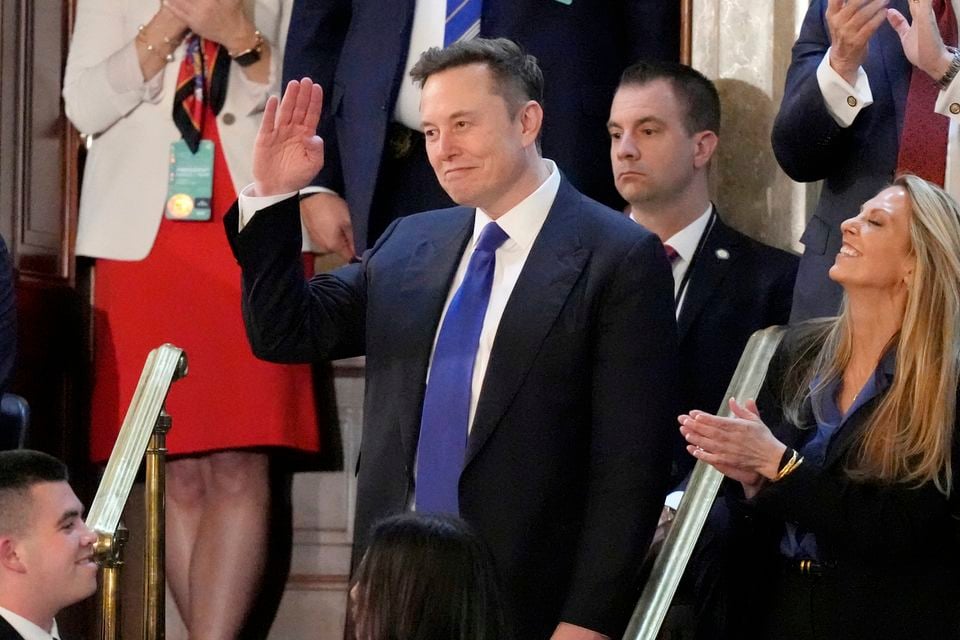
{"x": 8, "y": 318}
{"x": 315, "y": 39}
{"x": 781, "y": 293}
{"x": 634, "y": 408}
{"x": 289, "y": 319}
{"x": 805, "y": 137}
{"x": 654, "y": 29}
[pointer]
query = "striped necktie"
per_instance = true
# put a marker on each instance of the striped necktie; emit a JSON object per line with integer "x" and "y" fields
{"x": 463, "y": 20}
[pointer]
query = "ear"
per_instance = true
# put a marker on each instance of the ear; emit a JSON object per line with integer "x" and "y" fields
{"x": 10, "y": 558}
{"x": 705, "y": 145}
{"x": 531, "y": 121}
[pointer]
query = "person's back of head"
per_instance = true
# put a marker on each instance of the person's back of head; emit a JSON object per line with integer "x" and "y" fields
{"x": 426, "y": 578}
{"x": 46, "y": 551}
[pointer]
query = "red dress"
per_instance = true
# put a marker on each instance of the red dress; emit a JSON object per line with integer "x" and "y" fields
{"x": 187, "y": 292}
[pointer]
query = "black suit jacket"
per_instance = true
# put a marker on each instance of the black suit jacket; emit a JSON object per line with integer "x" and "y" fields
{"x": 356, "y": 49}
{"x": 7, "y": 632}
{"x": 895, "y": 547}
{"x": 737, "y": 286}
{"x": 568, "y": 457}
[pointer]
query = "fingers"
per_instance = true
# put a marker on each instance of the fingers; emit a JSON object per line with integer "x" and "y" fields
{"x": 742, "y": 411}
{"x": 314, "y": 108}
{"x": 267, "y": 123}
{"x": 288, "y": 103}
{"x": 179, "y": 9}
{"x": 303, "y": 101}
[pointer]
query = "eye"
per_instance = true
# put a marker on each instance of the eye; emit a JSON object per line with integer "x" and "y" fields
{"x": 616, "y": 135}
{"x": 429, "y": 133}
{"x": 462, "y": 124}
{"x": 874, "y": 222}
{"x": 648, "y": 131}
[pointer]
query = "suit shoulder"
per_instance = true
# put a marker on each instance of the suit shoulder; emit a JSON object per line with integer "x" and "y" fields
{"x": 608, "y": 227}
{"x": 772, "y": 258}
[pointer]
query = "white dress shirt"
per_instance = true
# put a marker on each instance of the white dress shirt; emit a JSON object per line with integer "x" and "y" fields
{"x": 837, "y": 93}
{"x": 27, "y": 629}
{"x": 685, "y": 242}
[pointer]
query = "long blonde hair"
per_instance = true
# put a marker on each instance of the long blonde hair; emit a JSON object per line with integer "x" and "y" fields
{"x": 909, "y": 436}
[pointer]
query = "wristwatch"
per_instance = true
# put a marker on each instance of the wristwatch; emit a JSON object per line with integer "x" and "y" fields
{"x": 952, "y": 70}
{"x": 252, "y": 55}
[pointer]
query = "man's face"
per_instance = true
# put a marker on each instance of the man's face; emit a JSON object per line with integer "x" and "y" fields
{"x": 474, "y": 145}
{"x": 654, "y": 158}
{"x": 56, "y": 549}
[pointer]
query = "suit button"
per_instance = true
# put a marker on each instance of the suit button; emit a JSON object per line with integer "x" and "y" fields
{"x": 954, "y": 108}
{"x": 229, "y": 118}
{"x": 851, "y": 101}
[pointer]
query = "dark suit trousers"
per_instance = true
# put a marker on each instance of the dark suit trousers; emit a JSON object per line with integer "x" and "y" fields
{"x": 406, "y": 182}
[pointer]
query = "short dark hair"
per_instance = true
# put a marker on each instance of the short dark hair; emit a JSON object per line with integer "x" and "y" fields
{"x": 697, "y": 94}
{"x": 425, "y": 577}
{"x": 516, "y": 74}
{"x": 20, "y": 469}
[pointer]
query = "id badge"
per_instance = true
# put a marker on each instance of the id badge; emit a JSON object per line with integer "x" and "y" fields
{"x": 191, "y": 182}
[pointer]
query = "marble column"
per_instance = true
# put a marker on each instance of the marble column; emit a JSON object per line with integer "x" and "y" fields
{"x": 744, "y": 47}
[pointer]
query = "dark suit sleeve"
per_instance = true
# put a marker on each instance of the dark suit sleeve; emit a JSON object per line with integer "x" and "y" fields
{"x": 805, "y": 136}
{"x": 289, "y": 319}
{"x": 8, "y": 318}
{"x": 654, "y": 29}
{"x": 314, "y": 42}
{"x": 633, "y": 413}
{"x": 780, "y": 298}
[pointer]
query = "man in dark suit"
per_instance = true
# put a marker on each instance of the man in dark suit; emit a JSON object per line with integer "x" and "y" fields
{"x": 843, "y": 117}
{"x": 555, "y": 410}
{"x": 360, "y": 52}
{"x": 46, "y": 550}
{"x": 664, "y": 127}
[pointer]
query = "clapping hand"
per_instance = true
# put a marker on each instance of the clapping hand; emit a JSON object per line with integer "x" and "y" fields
{"x": 740, "y": 447}
{"x": 922, "y": 44}
{"x": 222, "y": 21}
{"x": 851, "y": 24}
{"x": 288, "y": 153}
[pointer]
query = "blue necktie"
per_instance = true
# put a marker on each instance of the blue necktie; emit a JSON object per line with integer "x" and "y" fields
{"x": 463, "y": 20}
{"x": 446, "y": 403}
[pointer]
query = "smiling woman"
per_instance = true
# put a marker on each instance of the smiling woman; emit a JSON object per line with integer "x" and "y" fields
{"x": 849, "y": 503}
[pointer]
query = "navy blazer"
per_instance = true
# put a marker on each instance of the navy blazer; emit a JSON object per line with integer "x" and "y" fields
{"x": 356, "y": 49}
{"x": 736, "y": 287}
{"x": 893, "y": 548}
{"x": 567, "y": 461}
{"x": 855, "y": 163}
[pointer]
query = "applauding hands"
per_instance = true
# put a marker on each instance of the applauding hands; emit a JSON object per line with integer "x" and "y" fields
{"x": 288, "y": 153}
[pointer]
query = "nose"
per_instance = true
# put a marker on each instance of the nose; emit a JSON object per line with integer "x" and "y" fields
{"x": 850, "y": 226}
{"x": 626, "y": 147}
{"x": 446, "y": 145}
{"x": 87, "y": 535}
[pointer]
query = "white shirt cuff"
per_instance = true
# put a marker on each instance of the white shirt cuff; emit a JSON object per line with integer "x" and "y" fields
{"x": 250, "y": 205}
{"x": 673, "y": 500}
{"x": 309, "y": 191}
{"x": 844, "y": 101}
{"x": 948, "y": 101}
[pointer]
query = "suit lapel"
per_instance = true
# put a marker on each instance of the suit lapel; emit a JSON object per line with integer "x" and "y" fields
{"x": 847, "y": 435}
{"x": 551, "y": 269}
{"x": 426, "y": 283}
{"x": 7, "y": 632}
{"x": 709, "y": 270}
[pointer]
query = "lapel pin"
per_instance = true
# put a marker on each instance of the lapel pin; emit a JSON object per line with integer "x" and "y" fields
{"x": 722, "y": 254}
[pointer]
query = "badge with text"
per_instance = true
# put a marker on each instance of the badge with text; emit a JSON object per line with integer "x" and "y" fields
{"x": 191, "y": 182}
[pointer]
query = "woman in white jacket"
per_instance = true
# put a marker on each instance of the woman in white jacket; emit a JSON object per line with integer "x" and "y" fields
{"x": 141, "y": 77}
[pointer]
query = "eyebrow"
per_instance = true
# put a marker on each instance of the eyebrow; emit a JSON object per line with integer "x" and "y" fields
{"x": 642, "y": 121}
{"x": 68, "y": 516}
{"x": 453, "y": 116}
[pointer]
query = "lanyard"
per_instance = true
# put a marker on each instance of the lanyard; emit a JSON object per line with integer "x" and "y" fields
{"x": 696, "y": 254}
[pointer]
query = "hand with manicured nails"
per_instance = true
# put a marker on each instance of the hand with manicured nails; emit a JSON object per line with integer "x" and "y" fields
{"x": 851, "y": 24}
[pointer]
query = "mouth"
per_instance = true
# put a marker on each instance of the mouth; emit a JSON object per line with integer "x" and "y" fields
{"x": 848, "y": 251}
{"x": 455, "y": 171}
{"x": 630, "y": 174}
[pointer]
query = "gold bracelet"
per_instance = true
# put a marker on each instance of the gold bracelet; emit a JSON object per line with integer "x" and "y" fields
{"x": 142, "y": 37}
{"x": 795, "y": 461}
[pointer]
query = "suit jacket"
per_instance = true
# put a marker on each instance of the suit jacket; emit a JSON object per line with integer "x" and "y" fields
{"x": 356, "y": 49}
{"x": 126, "y": 173}
{"x": 7, "y": 632}
{"x": 567, "y": 460}
{"x": 894, "y": 547}
{"x": 854, "y": 163}
{"x": 8, "y": 318}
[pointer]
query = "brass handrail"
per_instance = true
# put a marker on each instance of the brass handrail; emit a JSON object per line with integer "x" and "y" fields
{"x": 697, "y": 498}
{"x": 143, "y": 433}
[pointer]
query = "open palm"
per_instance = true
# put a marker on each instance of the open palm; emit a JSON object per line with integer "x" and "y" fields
{"x": 288, "y": 153}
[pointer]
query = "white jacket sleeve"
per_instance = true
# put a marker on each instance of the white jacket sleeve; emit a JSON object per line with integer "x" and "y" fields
{"x": 103, "y": 82}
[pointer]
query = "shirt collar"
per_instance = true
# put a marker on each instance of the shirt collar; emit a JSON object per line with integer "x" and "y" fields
{"x": 524, "y": 221}
{"x": 824, "y": 398}
{"x": 28, "y": 629}
{"x": 686, "y": 240}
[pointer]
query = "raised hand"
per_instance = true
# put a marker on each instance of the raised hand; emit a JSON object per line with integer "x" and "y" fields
{"x": 922, "y": 44}
{"x": 288, "y": 153}
{"x": 851, "y": 24}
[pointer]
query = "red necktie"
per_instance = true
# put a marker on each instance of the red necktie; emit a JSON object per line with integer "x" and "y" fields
{"x": 923, "y": 142}
{"x": 672, "y": 254}
{"x": 202, "y": 79}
